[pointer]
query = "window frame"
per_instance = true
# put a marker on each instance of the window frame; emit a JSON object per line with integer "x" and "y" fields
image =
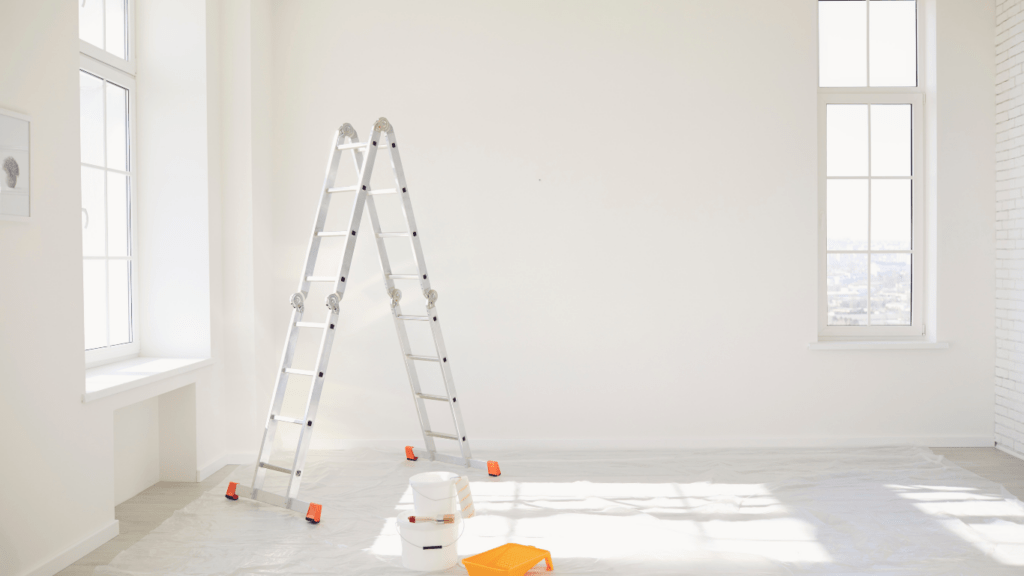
{"x": 915, "y": 96}
{"x": 126, "y": 65}
{"x": 916, "y": 328}
{"x": 868, "y": 88}
{"x": 108, "y": 353}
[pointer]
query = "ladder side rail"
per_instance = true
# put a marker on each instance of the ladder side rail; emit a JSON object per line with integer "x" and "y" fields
{"x": 449, "y": 382}
{"x": 365, "y": 171}
{"x": 270, "y": 430}
{"x": 346, "y": 130}
{"x": 399, "y": 173}
{"x": 435, "y": 327}
{"x": 400, "y": 329}
{"x": 312, "y": 404}
{"x": 333, "y": 303}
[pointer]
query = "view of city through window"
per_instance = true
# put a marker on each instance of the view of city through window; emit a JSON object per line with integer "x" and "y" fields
{"x": 869, "y": 214}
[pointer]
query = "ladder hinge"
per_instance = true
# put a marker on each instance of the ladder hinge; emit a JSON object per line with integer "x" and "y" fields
{"x": 333, "y": 302}
{"x": 395, "y": 295}
{"x": 298, "y": 301}
{"x": 431, "y": 296}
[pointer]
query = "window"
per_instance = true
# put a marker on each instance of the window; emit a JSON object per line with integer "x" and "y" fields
{"x": 870, "y": 169}
{"x": 107, "y": 110}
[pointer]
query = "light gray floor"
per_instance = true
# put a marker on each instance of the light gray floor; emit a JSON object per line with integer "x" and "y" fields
{"x": 141, "y": 514}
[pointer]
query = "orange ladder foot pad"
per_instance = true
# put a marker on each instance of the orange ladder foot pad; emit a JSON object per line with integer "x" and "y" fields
{"x": 507, "y": 560}
{"x": 493, "y": 469}
{"x": 231, "y": 491}
{"x": 313, "y": 514}
{"x": 409, "y": 455}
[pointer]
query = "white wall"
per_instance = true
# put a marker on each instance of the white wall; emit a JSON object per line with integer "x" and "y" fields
{"x": 71, "y": 468}
{"x": 1009, "y": 425}
{"x": 136, "y": 448}
{"x": 58, "y": 489}
{"x": 618, "y": 209}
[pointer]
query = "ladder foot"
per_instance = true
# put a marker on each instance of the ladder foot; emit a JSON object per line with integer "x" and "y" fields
{"x": 313, "y": 514}
{"x": 493, "y": 469}
{"x": 409, "y": 455}
{"x": 231, "y": 491}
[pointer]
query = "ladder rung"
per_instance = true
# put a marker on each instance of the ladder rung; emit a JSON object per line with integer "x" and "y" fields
{"x": 440, "y": 435}
{"x": 311, "y": 325}
{"x": 404, "y": 276}
{"x": 408, "y": 317}
{"x": 353, "y": 146}
{"x": 284, "y": 419}
{"x": 299, "y": 372}
{"x": 383, "y": 191}
{"x": 433, "y": 397}
{"x": 274, "y": 468}
{"x": 342, "y": 189}
{"x": 320, "y": 279}
{"x": 424, "y": 358}
{"x": 393, "y": 235}
{"x": 323, "y": 234}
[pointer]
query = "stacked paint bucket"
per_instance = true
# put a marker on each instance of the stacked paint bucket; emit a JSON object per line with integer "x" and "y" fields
{"x": 430, "y": 537}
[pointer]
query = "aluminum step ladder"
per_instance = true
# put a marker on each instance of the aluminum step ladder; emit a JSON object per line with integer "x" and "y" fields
{"x": 382, "y": 140}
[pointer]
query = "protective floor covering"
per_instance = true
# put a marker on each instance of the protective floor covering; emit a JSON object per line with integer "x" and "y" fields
{"x": 890, "y": 511}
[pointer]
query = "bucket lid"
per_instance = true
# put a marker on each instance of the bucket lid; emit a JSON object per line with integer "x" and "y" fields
{"x": 433, "y": 477}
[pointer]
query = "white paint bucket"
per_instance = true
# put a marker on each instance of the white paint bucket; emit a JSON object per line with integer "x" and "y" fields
{"x": 433, "y": 493}
{"x": 429, "y": 546}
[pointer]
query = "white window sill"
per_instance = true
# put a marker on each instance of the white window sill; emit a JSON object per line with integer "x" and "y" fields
{"x": 877, "y": 345}
{"x": 111, "y": 379}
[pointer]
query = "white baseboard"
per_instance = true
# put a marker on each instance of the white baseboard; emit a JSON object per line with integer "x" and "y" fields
{"x": 480, "y": 446}
{"x": 216, "y": 464}
{"x": 76, "y": 551}
{"x": 1009, "y": 451}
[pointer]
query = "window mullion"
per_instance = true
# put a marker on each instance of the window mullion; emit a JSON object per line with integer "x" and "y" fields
{"x": 869, "y": 209}
{"x": 867, "y": 81}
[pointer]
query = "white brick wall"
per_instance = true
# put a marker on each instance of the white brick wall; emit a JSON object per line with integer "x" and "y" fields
{"x": 1009, "y": 409}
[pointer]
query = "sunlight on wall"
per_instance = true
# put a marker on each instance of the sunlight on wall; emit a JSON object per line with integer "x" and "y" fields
{"x": 621, "y": 520}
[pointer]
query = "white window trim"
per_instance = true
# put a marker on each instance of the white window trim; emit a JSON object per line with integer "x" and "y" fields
{"x": 119, "y": 352}
{"x": 95, "y": 52}
{"x": 917, "y": 308}
{"x": 920, "y": 307}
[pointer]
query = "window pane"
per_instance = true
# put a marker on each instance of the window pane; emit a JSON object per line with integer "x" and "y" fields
{"x": 890, "y": 215}
{"x": 90, "y": 21}
{"x": 117, "y": 127}
{"x": 846, "y": 216}
{"x": 120, "y": 303}
{"x": 891, "y": 136}
{"x": 846, "y": 139}
{"x": 842, "y": 43}
{"x": 91, "y": 96}
{"x": 893, "y": 43}
{"x": 94, "y": 276}
{"x": 117, "y": 214}
{"x": 847, "y": 289}
{"x": 890, "y": 289}
{"x": 116, "y": 23}
{"x": 93, "y": 213}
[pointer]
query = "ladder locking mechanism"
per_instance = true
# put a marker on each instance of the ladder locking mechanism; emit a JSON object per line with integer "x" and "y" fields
{"x": 298, "y": 301}
{"x": 431, "y": 296}
{"x": 333, "y": 301}
{"x": 382, "y": 125}
{"x": 396, "y": 295}
{"x": 347, "y": 130}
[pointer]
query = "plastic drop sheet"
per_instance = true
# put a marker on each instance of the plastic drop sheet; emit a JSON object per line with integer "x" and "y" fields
{"x": 888, "y": 511}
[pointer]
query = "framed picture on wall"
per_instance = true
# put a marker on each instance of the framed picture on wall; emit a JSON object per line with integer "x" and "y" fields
{"x": 15, "y": 196}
